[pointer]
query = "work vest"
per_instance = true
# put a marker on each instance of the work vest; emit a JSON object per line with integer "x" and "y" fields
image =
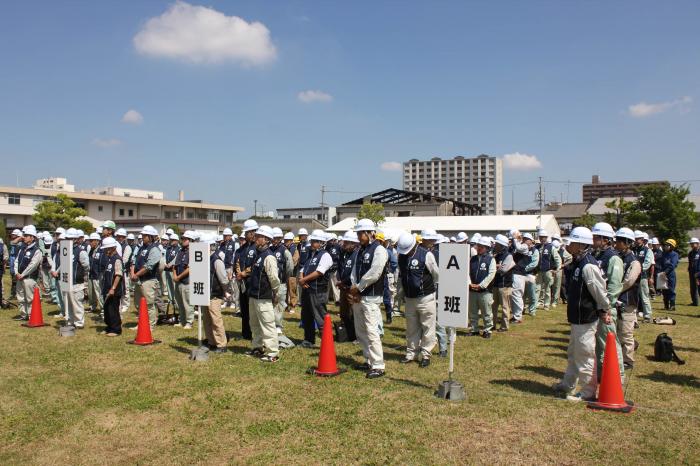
{"x": 581, "y": 308}
{"x": 78, "y": 270}
{"x": 258, "y": 282}
{"x": 345, "y": 266}
{"x": 334, "y": 251}
{"x": 546, "y": 261}
{"x": 215, "y": 288}
{"x": 603, "y": 257}
{"x": 108, "y": 275}
{"x": 641, "y": 255}
{"x": 693, "y": 257}
{"x": 2, "y": 261}
{"x": 13, "y": 251}
{"x": 26, "y": 257}
{"x": 96, "y": 263}
{"x": 534, "y": 270}
{"x": 416, "y": 280}
{"x": 140, "y": 262}
{"x": 630, "y": 296}
{"x": 479, "y": 269}
{"x": 182, "y": 261}
{"x": 304, "y": 253}
{"x": 363, "y": 263}
{"x": 320, "y": 285}
{"x": 521, "y": 260}
{"x": 228, "y": 248}
{"x": 281, "y": 257}
{"x": 503, "y": 279}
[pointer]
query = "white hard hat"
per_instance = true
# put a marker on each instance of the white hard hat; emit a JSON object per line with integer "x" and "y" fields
{"x": 556, "y": 243}
{"x": 277, "y": 232}
{"x": 443, "y": 239}
{"x": 250, "y": 225}
{"x": 475, "y": 238}
{"x": 351, "y": 237}
{"x": 130, "y": 236}
{"x": 502, "y": 240}
{"x": 542, "y": 233}
{"x": 98, "y": 230}
{"x": 289, "y": 235}
{"x": 581, "y": 235}
{"x": 603, "y": 229}
{"x": 94, "y": 236}
{"x": 81, "y": 234}
{"x": 149, "y": 230}
{"x": 48, "y": 240}
{"x": 219, "y": 238}
{"x": 60, "y": 230}
{"x": 638, "y": 234}
{"x": 174, "y": 236}
{"x": 693, "y": 240}
{"x": 625, "y": 233}
{"x": 29, "y": 230}
{"x": 265, "y": 231}
{"x": 207, "y": 239}
{"x": 429, "y": 234}
{"x": 462, "y": 236}
{"x": 140, "y": 236}
{"x": 365, "y": 224}
{"x": 109, "y": 242}
{"x": 318, "y": 235}
{"x": 302, "y": 231}
{"x": 169, "y": 231}
{"x": 16, "y": 232}
{"x": 165, "y": 237}
{"x": 71, "y": 233}
{"x": 655, "y": 241}
{"x": 122, "y": 232}
{"x": 227, "y": 232}
{"x": 234, "y": 236}
{"x": 191, "y": 235}
{"x": 453, "y": 239}
{"x": 405, "y": 243}
{"x": 528, "y": 236}
{"x": 332, "y": 236}
{"x": 62, "y": 236}
{"x": 646, "y": 236}
{"x": 484, "y": 241}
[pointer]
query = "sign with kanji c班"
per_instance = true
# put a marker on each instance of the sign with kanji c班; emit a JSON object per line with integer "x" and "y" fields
{"x": 199, "y": 274}
{"x": 65, "y": 267}
{"x": 453, "y": 288}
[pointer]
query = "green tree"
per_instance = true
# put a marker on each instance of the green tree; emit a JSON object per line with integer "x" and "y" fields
{"x": 60, "y": 212}
{"x": 667, "y": 212}
{"x": 621, "y": 215}
{"x": 175, "y": 228}
{"x": 372, "y": 211}
{"x": 585, "y": 220}
{"x": 3, "y": 233}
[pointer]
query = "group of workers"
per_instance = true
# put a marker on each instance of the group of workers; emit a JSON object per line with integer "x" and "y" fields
{"x": 604, "y": 277}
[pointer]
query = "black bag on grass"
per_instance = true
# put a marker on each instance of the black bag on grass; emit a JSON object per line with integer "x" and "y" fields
{"x": 341, "y": 333}
{"x": 664, "y": 351}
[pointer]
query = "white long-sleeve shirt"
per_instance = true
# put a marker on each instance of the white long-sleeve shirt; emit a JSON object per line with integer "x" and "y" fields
{"x": 375, "y": 271}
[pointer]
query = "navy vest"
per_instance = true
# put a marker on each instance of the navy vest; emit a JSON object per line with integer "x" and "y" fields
{"x": 641, "y": 254}
{"x": 345, "y": 266}
{"x": 96, "y": 263}
{"x": 416, "y": 280}
{"x": 258, "y": 281}
{"x": 603, "y": 258}
{"x": 2, "y": 259}
{"x": 546, "y": 261}
{"x": 281, "y": 262}
{"x": 320, "y": 285}
{"x": 78, "y": 270}
{"x": 581, "y": 308}
{"x": 503, "y": 280}
{"x": 182, "y": 262}
{"x": 304, "y": 253}
{"x": 14, "y": 248}
{"x": 630, "y": 296}
{"x": 521, "y": 261}
{"x": 25, "y": 258}
{"x": 334, "y": 251}
{"x": 215, "y": 288}
{"x": 479, "y": 269}
{"x": 140, "y": 262}
{"x": 108, "y": 275}
{"x": 365, "y": 255}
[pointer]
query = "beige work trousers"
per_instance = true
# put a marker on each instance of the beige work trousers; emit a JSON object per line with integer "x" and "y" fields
{"x": 262, "y": 325}
{"x": 420, "y": 326}
{"x": 149, "y": 290}
{"x": 367, "y": 316}
{"x": 214, "y": 323}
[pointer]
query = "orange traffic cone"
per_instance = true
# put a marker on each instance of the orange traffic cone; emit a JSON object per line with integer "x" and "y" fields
{"x": 327, "y": 365}
{"x": 143, "y": 331}
{"x": 36, "y": 318}
{"x": 610, "y": 396}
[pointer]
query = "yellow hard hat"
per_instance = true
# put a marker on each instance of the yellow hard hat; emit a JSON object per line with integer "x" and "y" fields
{"x": 419, "y": 239}
{"x": 672, "y": 242}
{"x": 296, "y": 239}
{"x": 379, "y": 236}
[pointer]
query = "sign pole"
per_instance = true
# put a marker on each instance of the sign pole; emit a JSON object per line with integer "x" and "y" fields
{"x": 452, "y": 337}
{"x": 65, "y": 271}
{"x": 200, "y": 292}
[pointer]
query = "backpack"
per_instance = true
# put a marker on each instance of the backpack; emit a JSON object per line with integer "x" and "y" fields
{"x": 663, "y": 349}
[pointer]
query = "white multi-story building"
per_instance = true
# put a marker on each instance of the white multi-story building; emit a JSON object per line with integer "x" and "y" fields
{"x": 477, "y": 180}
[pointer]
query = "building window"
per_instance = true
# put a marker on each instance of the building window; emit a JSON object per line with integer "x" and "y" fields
{"x": 168, "y": 214}
{"x": 127, "y": 194}
{"x": 319, "y": 216}
{"x": 121, "y": 212}
{"x": 190, "y": 215}
{"x": 131, "y": 212}
{"x": 13, "y": 199}
{"x": 213, "y": 216}
{"x": 99, "y": 208}
{"x": 286, "y": 217}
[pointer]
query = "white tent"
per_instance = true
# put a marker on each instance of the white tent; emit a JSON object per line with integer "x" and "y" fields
{"x": 449, "y": 226}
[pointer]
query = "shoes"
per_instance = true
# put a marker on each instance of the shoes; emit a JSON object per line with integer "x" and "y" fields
{"x": 628, "y": 366}
{"x": 177, "y": 325}
{"x": 306, "y": 344}
{"x": 406, "y": 361}
{"x": 473, "y": 334}
{"x": 20, "y": 318}
{"x": 486, "y": 335}
{"x": 575, "y": 398}
{"x": 255, "y": 353}
{"x": 647, "y": 320}
{"x": 375, "y": 373}
{"x": 636, "y": 324}
{"x": 103, "y": 332}
{"x": 425, "y": 362}
{"x": 187, "y": 326}
{"x": 502, "y": 329}
{"x": 389, "y": 321}
{"x": 361, "y": 367}
{"x": 112, "y": 334}
{"x": 443, "y": 354}
{"x": 561, "y": 387}
{"x": 267, "y": 358}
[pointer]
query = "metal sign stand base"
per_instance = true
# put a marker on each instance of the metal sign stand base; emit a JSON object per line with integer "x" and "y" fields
{"x": 200, "y": 354}
{"x": 451, "y": 389}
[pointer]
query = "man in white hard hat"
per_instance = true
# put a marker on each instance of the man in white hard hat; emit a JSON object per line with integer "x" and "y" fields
{"x": 482, "y": 271}
{"x": 565, "y": 259}
{"x": 419, "y": 273}
{"x": 531, "y": 277}
{"x": 27, "y": 272}
{"x": 228, "y": 248}
{"x": 95, "y": 275}
{"x": 262, "y": 286}
{"x": 314, "y": 281}
{"x": 109, "y": 228}
{"x": 213, "y": 321}
{"x": 366, "y": 296}
{"x": 113, "y": 287}
{"x": 520, "y": 251}
{"x": 549, "y": 264}
{"x": 16, "y": 244}
{"x": 4, "y": 258}
{"x": 693, "y": 261}
{"x": 75, "y": 311}
{"x": 346, "y": 264}
{"x": 333, "y": 249}
{"x": 429, "y": 238}
{"x": 121, "y": 236}
{"x": 145, "y": 271}
{"x": 657, "y": 252}
{"x": 289, "y": 245}
{"x": 502, "y": 283}
{"x": 243, "y": 263}
{"x": 587, "y": 303}
{"x": 646, "y": 258}
{"x": 172, "y": 249}
{"x": 627, "y": 300}
{"x": 181, "y": 278}
{"x": 285, "y": 268}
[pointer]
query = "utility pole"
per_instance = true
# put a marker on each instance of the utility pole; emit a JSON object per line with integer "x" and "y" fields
{"x": 255, "y": 209}
{"x": 323, "y": 195}
{"x": 539, "y": 198}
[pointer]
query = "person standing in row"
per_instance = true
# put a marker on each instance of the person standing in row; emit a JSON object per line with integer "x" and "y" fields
{"x": 126, "y": 255}
{"x": 181, "y": 278}
{"x": 502, "y": 283}
{"x": 214, "y": 329}
{"x": 628, "y": 298}
{"x": 346, "y": 264}
{"x": 243, "y": 263}
{"x": 144, "y": 273}
{"x": 171, "y": 251}
{"x": 669, "y": 262}
{"x": 26, "y": 271}
{"x": 693, "y": 260}
{"x": 228, "y": 249}
{"x": 291, "y": 300}
{"x": 75, "y": 312}
{"x": 262, "y": 290}
{"x": 366, "y": 295}
{"x": 531, "y": 275}
{"x": 314, "y": 282}
{"x": 113, "y": 287}
{"x": 333, "y": 249}
{"x": 482, "y": 271}
{"x": 285, "y": 268}
{"x": 95, "y": 274}
{"x": 419, "y": 273}
{"x": 646, "y": 258}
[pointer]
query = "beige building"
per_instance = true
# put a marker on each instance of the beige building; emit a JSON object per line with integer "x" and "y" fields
{"x": 127, "y": 210}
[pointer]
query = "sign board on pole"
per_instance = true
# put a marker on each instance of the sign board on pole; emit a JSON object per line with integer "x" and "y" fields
{"x": 199, "y": 274}
{"x": 65, "y": 269}
{"x": 453, "y": 288}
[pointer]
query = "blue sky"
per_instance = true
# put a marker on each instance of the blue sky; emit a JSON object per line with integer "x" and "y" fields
{"x": 585, "y": 87}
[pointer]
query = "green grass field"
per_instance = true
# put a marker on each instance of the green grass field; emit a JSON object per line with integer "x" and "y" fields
{"x": 95, "y": 400}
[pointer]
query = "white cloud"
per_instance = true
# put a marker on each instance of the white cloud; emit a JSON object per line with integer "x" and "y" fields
{"x": 199, "y": 34}
{"x": 106, "y": 143}
{"x": 392, "y": 166}
{"x": 518, "y": 161}
{"x": 643, "y": 109}
{"x": 132, "y": 117}
{"x": 311, "y": 96}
